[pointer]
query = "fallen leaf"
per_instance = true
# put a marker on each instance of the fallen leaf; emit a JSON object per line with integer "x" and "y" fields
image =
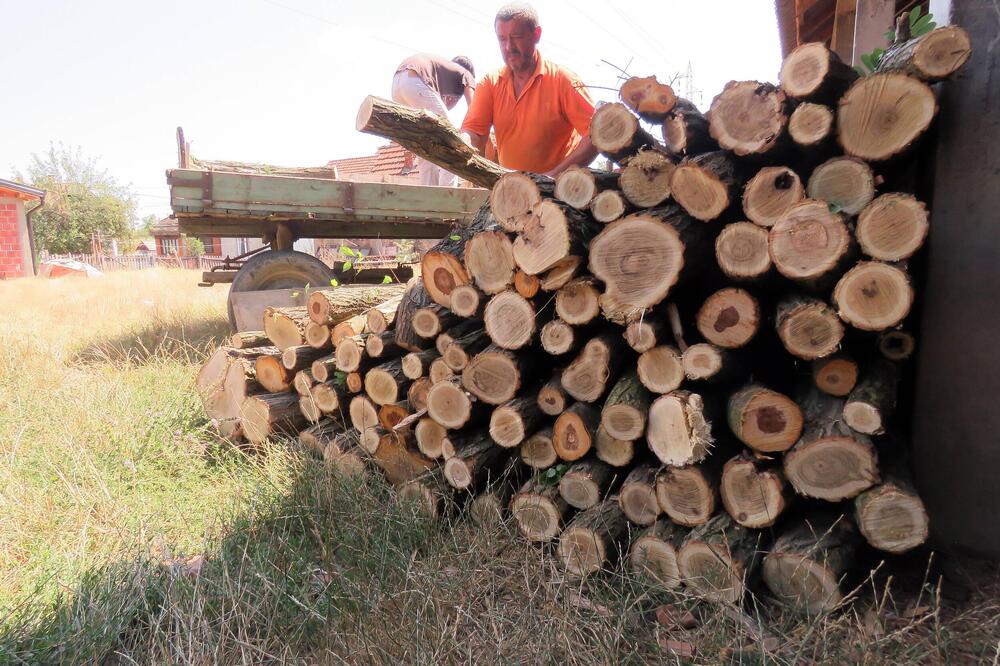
{"x": 678, "y": 648}
{"x": 580, "y": 601}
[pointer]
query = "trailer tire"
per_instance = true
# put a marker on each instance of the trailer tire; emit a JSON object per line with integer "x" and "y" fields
{"x": 278, "y": 269}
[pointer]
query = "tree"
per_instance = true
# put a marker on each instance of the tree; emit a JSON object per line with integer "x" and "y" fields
{"x": 81, "y": 199}
{"x": 147, "y": 224}
{"x": 194, "y": 246}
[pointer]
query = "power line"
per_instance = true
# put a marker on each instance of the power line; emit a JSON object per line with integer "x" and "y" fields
{"x": 639, "y": 30}
{"x": 340, "y": 25}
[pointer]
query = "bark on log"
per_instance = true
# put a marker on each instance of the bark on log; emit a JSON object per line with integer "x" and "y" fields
{"x": 934, "y": 56}
{"x": 687, "y": 494}
{"x": 539, "y": 510}
{"x": 706, "y": 185}
{"x": 322, "y": 369}
{"x": 810, "y": 244}
{"x": 729, "y": 318}
{"x": 574, "y": 430}
{"x": 454, "y": 333}
{"x": 270, "y": 414}
{"x": 249, "y": 340}
{"x": 661, "y": 369}
{"x": 873, "y": 401}
{"x": 616, "y": 132}
{"x": 830, "y": 461}
{"x": 741, "y": 251}
{"x": 637, "y": 496}
{"x": 316, "y": 438}
{"x": 380, "y": 318}
{"x": 578, "y": 302}
{"x": 514, "y": 420}
{"x": 593, "y": 539}
{"x": 414, "y": 298}
{"x": 286, "y": 327}
{"x": 624, "y": 412}
{"x": 537, "y": 451}
{"x": 429, "y": 493}
{"x": 346, "y": 459}
{"x": 489, "y": 259}
{"x": 495, "y": 375}
{"x": 808, "y": 327}
{"x": 653, "y": 554}
{"x": 645, "y": 179}
{"x": 429, "y": 136}
{"x": 764, "y": 420}
{"x": 511, "y": 320}
{"x": 577, "y": 186}
{"x": 807, "y": 564}
{"x": 754, "y": 495}
{"x": 811, "y": 128}
{"x": 770, "y": 193}
{"x": 882, "y": 115}
{"x": 332, "y": 306}
{"x": 717, "y": 558}
{"x": 587, "y": 377}
{"x": 386, "y": 383}
{"x": 892, "y": 227}
{"x": 555, "y": 233}
{"x": 489, "y": 507}
{"x": 812, "y": 72}
{"x": 552, "y": 398}
{"x": 835, "y": 375}
{"x": 475, "y": 462}
{"x": 846, "y": 183}
{"x": 442, "y": 267}
{"x": 608, "y": 206}
{"x": 585, "y": 483}
{"x": 615, "y": 452}
{"x": 648, "y": 98}
{"x": 459, "y": 352}
{"x": 748, "y": 117}
{"x": 685, "y": 131}
{"x": 873, "y": 296}
{"x": 514, "y": 198}
{"x": 678, "y": 432}
{"x": 891, "y": 516}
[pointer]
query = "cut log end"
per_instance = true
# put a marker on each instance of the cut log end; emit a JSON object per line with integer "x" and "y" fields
{"x": 897, "y": 345}
{"x": 832, "y": 468}
{"x": 809, "y": 328}
{"x": 729, "y": 318}
{"x": 753, "y": 497}
{"x": 808, "y": 241}
{"x": 892, "y": 518}
{"x": 656, "y": 558}
{"x": 892, "y": 227}
{"x": 742, "y": 252}
{"x": 552, "y": 398}
{"x": 770, "y": 193}
{"x": 560, "y": 274}
{"x": 608, "y": 206}
{"x": 648, "y": 97}
{"x": 615, "y": 452}
{"x": 489, "y": 258}
{"x": 513, "y": 200}
{"x": 686, "y": 495}
{"x": 765, "y": 420}
{"x": 573, "y": 432}
{"x": 702, "y": 361}
{"x": 873, "y": 296}
{"x": 700, "y": 191}
{"x": 613, "y": 129}
{"x": 661, "y": 369}
{"x": 748, "y": 117}
{"x": 557, "y": 337}
{"x": 465, "y": 300}
{"x": 711, "y": 573}
{"x": 538, "y": 515}
{"x": 882, "y": 115}
{"x": 812, "y": 70}
{"x": 493, "y": 376}
{"x": 576, "y": 187}
{"x": 637, "y": 496}
{"x": 449, "y": 405}
{"x": 578, "y": 302}
{"x": 509, "y": 319}
{"x": 645, "y": 180}
{"x": 811, "y": 124}
{"x": 844, "y": 182}
{"x": 430, "y": 436}
{"x": 537, "y": 451}
{"x": 678, "y": 433}
{"x": 836, "y": 375}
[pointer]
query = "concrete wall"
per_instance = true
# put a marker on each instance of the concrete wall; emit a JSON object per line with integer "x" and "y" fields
{"x": 15, "y": 250}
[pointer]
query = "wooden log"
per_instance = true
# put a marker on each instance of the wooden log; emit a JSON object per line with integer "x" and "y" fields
{"x": 555, "y": 233}
{"x": 397, "y": 456}
{"x": 286, "y": 327}
{"x": 514, "y": 420}
{"x": 811, "y": 128}
{"x": 414, "y": 298}
{"x": 511, "y": 320}
{"x": 653, "y": 554}
{"x": 557, "y": 276}
{"x": 830, "y": 461}
{"x": 616, "y": 132}
{"x": 891, "y": 516}
{"x": 350, "y": 354}
{"x": 574, "y": 430}
{"x": 587, "y": 377}
{"x": 429, "y": 493}
{"x": 474, "y": 463}
{"x": 741, "y": 251}
{"x": 459, "y": 353}
{"x": 322, "y": 369}
{"x": 309, "y": 409}
{"x": 752, "y": 493}
{"x": 608, "y": 206}
{"x": 806, "y": 566}
{"x": 577, "y": 186}
{"x": 537, "y": 451}
{"x": 389, "y": 416}
{"x": 240, "y": 382}
{"x": 467, "y": 301}
{"x": 717, "y": 558}
{"x": 637, "y": 496}
{"x": 685, "y": 131}
{"x": 615, "y": 452}
{"x": 515, "y": 196}
{"x": 317, "y": 437}
{"x": 489, "y": 507}
{"x": 430, "y": 321}
{"x": 873, "y": 401}
{"x": 678, "y": 432}
{"x": 495, "y": 375}
{"x": 429, "y": 136}
{"x": 896, "y": 345}
{"x": 249, "y": 340}
{"x": 624, "y": 412}
{"x": 640, "y": 258}
{"x": 452, "y": 407}
{"x": 267, "y": 414}
{"x": 460, "y": 330}
{"x": 687, "y": 494}
{"x": 661, "y": 369}
{"x": 303, "y": 382}
{"x": 332, "y": 306}
{"x": 934, "y": 56}
{"x": 380, "y": 318}
{"x": 346, "y": 329}
{"x": 439, "y": 371}
{"x": 417, "y": 364}
{"x": 706, "y": 185}
{"x": 648, "y": 98}
{"x": 212, "y": 373}
{"x": 644, "y": 333}
{"x": 645, "y": 179}
{"x": 558, "y": 338}
{"x": 442, "y": 268}
{"x": 846, "y": 183}
{"x": 489, "y": 259}
{"x": 318, "y": 336}
{"x": 882, "y": 115}
{"x": 835, "y": 375}
{"x": 539, "y": 510}
{"x": 892, "y": 227}
{"x": 370, "y": 438}
{"x": 593, "y": 539}
{"x": 812, "y": 72}
{"x": 354, "y": 382}
{"x": 416, "y": 395}
{"x": 552, "y": 398}
{"x": 764, "y": 420}
{"x": 584, "y": 484}
{"x": 808, "y": 327}
{"x": 272, "y": 374}
{"x": 382, "y": 345}
{"x": 430, "y": 436}
{"x": 363, "y": 413}
{"x": 729, "y": 318}
{"x": 328, "y": 397}
{"x": 810, "y": 244}
{"x": 347, "y": 459}
{"x": 770, "y": 193}
{"x": 873, "y": 296}
{"x": 748, "y": 117}
{"x": 527, "y": 285}
{"x": 386, "y": 383}
{"x": 578, "y": 302}
{"x": 704, "y": 362}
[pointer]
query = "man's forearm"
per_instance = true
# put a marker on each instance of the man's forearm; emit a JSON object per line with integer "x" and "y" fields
{"x": 582, "y": 155}
{"x": 477, "y": 141}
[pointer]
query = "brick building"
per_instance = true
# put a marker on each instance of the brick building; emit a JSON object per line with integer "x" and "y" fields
{"x": 171, "y": 243}
{"x": 16, "y": 243}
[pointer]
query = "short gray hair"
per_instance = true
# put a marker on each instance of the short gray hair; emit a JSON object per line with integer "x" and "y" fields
{"x": 518, "y": 11}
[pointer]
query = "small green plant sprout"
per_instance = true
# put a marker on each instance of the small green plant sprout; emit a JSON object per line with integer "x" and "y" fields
{"x": 553, "y": 475}
{"x": 334, "y": 283}
{"x": 340, "y": 378}
{"x": 915, "y": 24}
{"x": 455, "y": 237}
{"x": 386, "y": 279}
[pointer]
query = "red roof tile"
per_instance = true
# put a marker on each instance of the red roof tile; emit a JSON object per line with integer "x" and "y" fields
{"x": 390, "y": 159}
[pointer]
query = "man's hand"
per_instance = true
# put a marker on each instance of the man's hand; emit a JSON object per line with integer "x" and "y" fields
{"x": 582, "y": 155}
{"x": 477, "y": 141}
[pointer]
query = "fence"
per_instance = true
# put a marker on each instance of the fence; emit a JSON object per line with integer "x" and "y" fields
{"x": 136, "y": 262}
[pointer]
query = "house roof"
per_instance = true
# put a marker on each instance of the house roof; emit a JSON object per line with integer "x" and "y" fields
{"x": 390, "y": 160}
{"x": 165, "y": 227}
{"x": 19, "y": 191}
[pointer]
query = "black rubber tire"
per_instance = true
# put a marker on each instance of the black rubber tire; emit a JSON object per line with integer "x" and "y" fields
{"x": 278, "y": 269}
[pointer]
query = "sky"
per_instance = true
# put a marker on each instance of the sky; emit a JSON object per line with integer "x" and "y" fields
{"x": 280, "y": 81}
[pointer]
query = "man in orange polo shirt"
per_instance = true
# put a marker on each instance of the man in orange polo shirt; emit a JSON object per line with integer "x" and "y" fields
{"x": 540, "y": 111}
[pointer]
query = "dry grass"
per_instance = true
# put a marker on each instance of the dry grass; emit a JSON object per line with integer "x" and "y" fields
{"x": 109, "y": 477}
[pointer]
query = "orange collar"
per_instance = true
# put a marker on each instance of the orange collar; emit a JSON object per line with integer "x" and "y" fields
{"x": 506, "y": 73}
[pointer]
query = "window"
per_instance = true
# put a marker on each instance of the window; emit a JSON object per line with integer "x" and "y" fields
{"x": 170, "y": 246}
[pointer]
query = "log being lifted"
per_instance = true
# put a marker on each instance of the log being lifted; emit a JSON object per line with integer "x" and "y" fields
{"x": 640, "y": 258}
{"x": 648, "y": 98}
{"x": 685, "y": 131}
{"x": 616, "y": 132}
{"x": 705, "y": 185}
{"x": 717, "y": 558}
{"x": 329, "y": 307}
{"x": 593, "y": 538}
{"x": 678, "y": 432}
{"x": 812, "y": 72}
{"x": 770, "y": 193}
{"x": 429, "y": 136}
{"x": 653, "y": 554}
{"x": 883, "y": 115}
{"x": 748, "y": 117}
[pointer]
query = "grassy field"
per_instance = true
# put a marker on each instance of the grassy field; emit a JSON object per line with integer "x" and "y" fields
{"x": 129, "y": 533}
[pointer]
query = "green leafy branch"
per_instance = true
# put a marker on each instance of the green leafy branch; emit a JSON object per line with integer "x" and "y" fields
{"x": 917, "y": 24}
{"x": 553, "y": 475}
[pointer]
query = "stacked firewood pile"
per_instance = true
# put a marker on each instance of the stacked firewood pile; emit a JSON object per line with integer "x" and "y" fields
{"x": 690, "y": 364}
